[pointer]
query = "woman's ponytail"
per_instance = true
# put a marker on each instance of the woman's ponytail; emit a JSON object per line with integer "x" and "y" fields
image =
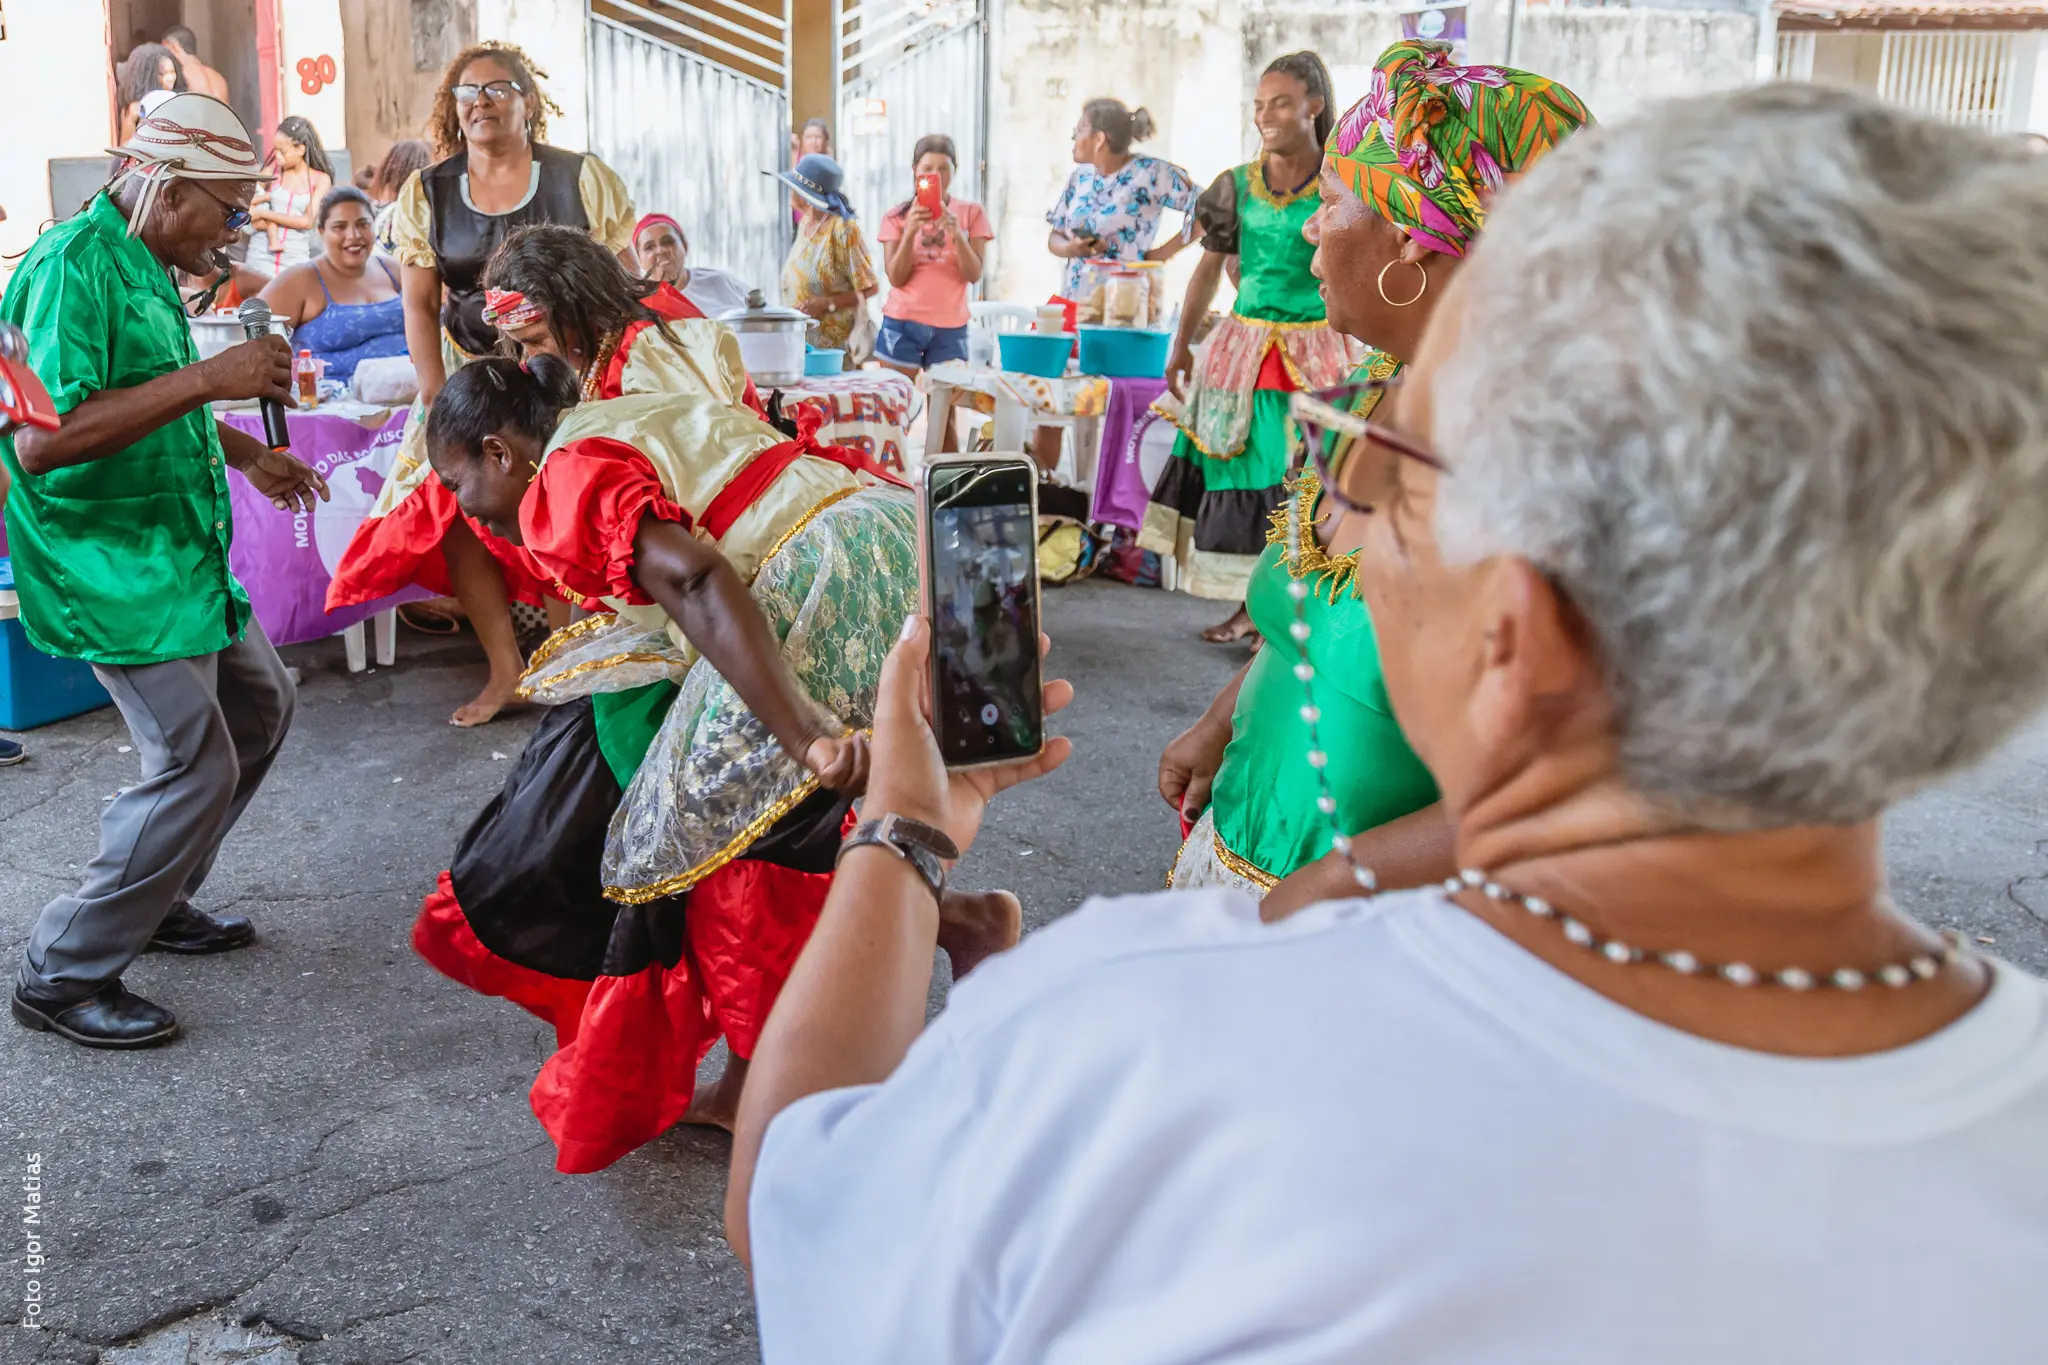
{"x": 496, "y": 394}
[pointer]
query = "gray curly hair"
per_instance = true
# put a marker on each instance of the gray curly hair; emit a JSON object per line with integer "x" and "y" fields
{"x": 1775, "y": 419}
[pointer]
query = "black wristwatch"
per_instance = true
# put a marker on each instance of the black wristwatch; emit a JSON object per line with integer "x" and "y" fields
{"x": 923, "y": 847}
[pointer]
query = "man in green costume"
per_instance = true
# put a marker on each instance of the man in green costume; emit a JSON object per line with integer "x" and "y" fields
{"x": 119, "y": 523}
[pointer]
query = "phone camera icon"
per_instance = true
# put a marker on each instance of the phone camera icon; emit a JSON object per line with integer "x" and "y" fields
{"x": 990, "y": 714}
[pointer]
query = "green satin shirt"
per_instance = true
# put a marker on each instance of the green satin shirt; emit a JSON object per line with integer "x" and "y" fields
{"x": 123, "y": 560}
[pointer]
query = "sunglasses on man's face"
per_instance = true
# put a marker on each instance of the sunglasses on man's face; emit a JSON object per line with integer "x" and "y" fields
{"x": 235, "y": 215}
{"x": 497, "y": 92}
{"x": 1357, "y": 461}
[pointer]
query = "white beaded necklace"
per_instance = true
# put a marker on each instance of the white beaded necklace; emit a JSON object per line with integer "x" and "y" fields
{"x": 1918, "y": 967}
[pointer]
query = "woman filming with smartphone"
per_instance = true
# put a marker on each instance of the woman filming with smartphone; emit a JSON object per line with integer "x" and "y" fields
{"x": 933, "y": 246}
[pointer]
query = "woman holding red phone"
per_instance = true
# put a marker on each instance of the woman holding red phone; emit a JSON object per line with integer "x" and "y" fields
{"x": 932, "y": 249}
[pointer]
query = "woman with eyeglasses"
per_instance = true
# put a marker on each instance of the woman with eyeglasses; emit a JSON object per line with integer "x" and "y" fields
{"x": 344, "y": 306}
{"x": 495, "y": 175}
{"x": 1386, "y": 241}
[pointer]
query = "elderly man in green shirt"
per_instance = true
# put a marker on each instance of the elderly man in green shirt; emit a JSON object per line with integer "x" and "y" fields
{"x": 119, "y": 525}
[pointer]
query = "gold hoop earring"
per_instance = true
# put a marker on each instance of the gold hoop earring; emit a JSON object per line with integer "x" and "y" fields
{"x": 1382, "y": 282}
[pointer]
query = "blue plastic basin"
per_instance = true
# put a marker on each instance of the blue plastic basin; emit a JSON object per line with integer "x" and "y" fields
{"x": 1125, "y": 352}
{"x": 824, "y": 360}
{"x": 1041, "y": 353}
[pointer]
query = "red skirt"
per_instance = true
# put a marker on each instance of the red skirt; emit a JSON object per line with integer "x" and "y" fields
{"x": 636, "y": 995}
{"x": 403, "y": 548}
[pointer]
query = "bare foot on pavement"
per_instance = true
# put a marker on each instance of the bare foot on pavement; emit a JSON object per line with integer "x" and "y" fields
{"x": 1229, "y": 632}
{"x": 718, "y": 1104}
{"x": 497, "y": 696}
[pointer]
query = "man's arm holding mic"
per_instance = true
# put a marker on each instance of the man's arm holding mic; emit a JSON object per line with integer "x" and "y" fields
{"x": 111, "y": 420}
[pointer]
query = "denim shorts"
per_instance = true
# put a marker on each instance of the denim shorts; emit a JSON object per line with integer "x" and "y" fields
{"x": 916, "y": 346}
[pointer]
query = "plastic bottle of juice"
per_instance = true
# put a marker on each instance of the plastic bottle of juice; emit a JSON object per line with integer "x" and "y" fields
{"x": 306, "y": 380}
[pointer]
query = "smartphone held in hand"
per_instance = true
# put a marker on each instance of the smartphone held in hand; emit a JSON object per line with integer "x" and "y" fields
{"x": 930, "y": 195}
{"x": 977, "y": 521}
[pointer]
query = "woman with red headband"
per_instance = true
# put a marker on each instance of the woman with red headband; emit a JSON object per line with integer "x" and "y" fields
{"x": 659, "y": 853}
{"x": 664, "y": 254}
{"x": 554, "y": 291}
{"x": 496, "y": 173}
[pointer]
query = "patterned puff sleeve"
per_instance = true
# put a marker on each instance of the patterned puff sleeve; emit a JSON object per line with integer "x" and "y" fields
{"x": 1216, "y": 211}
{"x": 412, "y": 226}
{"x": 607, "y": 203}
{"x": 583, "y": 511}
{"x": 1060, "y": 215}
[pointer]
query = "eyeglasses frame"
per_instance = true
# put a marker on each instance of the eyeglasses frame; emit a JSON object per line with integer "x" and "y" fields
{"x": 1318, "y": 410}
{"x": 477, "y": 90}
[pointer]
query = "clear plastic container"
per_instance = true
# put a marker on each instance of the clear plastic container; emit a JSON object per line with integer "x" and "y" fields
{"x": 1122, "y": 294}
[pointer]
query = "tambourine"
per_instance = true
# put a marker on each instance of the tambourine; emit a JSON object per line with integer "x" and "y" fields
{"x": 24, "y": 402}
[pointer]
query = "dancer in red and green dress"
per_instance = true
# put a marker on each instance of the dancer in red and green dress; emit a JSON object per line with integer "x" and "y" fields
{"x": 658, "y": 855}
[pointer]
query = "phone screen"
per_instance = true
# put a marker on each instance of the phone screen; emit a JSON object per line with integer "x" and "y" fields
{"x": 982, "y": 567}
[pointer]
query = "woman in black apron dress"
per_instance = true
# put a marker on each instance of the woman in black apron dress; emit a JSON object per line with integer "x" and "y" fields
{"x": 495, "y": 175}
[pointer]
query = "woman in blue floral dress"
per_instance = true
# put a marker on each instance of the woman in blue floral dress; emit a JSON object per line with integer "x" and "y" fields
{"x": 1113, "y": 200}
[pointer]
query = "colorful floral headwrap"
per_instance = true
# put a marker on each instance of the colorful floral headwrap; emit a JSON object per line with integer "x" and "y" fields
{"x": 1431, "y": 142}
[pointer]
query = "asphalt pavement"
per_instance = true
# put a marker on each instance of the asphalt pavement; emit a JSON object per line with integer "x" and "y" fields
{"x": 336, "y": 1162}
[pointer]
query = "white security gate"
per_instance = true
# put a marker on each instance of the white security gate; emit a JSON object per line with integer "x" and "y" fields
{"x": 908, "y": 68}
{"x": 1966, "y": 78}
{"x": 691, "y": 109}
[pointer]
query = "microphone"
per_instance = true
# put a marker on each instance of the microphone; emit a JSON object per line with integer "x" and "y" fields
{"x": 255, "y": 319}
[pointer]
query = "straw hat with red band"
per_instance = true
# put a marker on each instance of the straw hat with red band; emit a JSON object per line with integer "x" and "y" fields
{"x": 187, "y": 137}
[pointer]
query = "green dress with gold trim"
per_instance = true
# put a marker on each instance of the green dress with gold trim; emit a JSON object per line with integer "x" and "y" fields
{"x": 1263, "y": 821}
{"x": 1210, "y": 507}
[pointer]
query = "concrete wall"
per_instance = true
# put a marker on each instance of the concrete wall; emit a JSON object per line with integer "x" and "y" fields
{"x": 59, "y": 90}
{"x": 1617, "y": 59}
{"x": 555, "y": 34}
{"x": 394, "y": 61}
{"x": 1195, "y": 65}
{"x": 1181, "y": 59}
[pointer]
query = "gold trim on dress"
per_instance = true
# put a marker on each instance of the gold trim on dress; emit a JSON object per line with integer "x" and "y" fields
{"x": 740, "y": 843}
{"x": 1328, "y": 570}
{"x": 560, "y": 639}
{"x": 1250, "y": 321}
{"x": 588, "y": 666}
{"x": 1250, "y": 871}
{"x": 1261, "y": 191}
{"x": 1193, "y": 440}
{"x": 801, "y": 522}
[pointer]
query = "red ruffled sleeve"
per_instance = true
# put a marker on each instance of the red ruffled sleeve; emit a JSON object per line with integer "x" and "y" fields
{"x": 583, "y": 511}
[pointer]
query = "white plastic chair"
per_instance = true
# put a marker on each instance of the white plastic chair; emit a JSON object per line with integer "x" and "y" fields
{"x": 352, "y": 642}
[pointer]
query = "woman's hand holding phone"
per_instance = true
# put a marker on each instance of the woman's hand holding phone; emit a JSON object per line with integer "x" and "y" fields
{"x": 907, "y": 774}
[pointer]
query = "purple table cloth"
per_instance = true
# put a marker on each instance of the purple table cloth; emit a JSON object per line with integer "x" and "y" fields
{"x": 1120, "y": 491}
{"x": 286, "y": 559}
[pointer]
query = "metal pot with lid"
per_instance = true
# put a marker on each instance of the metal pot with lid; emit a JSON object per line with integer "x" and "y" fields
{"x": 771, "y": 340}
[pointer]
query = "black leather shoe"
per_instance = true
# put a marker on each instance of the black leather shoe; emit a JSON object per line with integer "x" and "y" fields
{"x": 113, "y": 1018}
{"x": 186, "y": 930}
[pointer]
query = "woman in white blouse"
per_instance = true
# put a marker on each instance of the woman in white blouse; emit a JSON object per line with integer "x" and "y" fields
{"x": 1682, "y": 573}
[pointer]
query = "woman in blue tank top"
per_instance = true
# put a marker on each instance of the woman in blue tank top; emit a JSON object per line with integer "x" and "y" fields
{"x": 342, "y": 307}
